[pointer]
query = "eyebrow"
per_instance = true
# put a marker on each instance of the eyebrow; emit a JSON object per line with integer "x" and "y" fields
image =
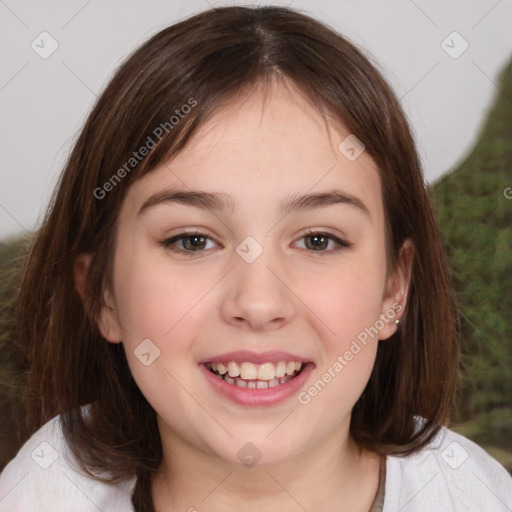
{"x": 222, "y": 202}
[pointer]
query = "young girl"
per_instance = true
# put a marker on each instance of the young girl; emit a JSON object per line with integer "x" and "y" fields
{"x": 238, "y": 299}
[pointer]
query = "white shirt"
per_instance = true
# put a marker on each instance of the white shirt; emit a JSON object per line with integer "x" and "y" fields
{"x": 450, "y": 474}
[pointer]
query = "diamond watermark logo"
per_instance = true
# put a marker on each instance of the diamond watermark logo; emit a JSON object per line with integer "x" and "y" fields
{"x": 147, "y": 352}
{"x": 44, "y": 45}
{"x": 249, "y": 455}
{"x": 249, "y": 249}
{"x": 44, "y": 455}
{"x": 454, "y": 45}
{"x": 351, "y": 147}
{"x": 454, "y": 455}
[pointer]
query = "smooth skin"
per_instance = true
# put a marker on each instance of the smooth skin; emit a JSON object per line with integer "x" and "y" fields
{"x": 301, "y": 295}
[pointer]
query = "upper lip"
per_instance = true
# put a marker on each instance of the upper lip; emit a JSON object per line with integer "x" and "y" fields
{"x": 253, "y": 357}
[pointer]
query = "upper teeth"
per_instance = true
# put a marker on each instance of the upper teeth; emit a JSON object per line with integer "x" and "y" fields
{"x": 250, "y": 371}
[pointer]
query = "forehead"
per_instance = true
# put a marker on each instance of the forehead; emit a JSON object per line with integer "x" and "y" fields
{"x": 263, "y": 145}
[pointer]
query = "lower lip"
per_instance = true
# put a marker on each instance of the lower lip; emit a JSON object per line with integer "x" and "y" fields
{"x": 258, "y": 397}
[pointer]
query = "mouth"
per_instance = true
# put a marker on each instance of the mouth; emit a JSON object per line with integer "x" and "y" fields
{"x": 245, "y": 374}
{"x": 256, "y": 380}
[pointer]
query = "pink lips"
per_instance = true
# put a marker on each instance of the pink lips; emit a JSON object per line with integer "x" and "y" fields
{"x": 257, "y": 397}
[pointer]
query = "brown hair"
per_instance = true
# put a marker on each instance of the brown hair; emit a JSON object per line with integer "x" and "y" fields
{"x": 209, "y": 58}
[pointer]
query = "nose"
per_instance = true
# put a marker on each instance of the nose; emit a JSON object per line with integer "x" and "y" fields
{"x": 257, "y": 296}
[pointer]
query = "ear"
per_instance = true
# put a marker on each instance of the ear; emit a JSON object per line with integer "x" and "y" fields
{"x": 397, "y": 290}
{"x": 108, "y": 323}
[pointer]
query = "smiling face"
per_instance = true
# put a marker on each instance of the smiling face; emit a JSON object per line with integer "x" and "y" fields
{"x": 283, "y": 294}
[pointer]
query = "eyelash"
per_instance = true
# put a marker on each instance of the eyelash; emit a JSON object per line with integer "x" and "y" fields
{"x": 169, "y": 243}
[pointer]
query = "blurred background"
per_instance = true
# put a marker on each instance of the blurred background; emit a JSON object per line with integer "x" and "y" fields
{"x": 450, "y": 65}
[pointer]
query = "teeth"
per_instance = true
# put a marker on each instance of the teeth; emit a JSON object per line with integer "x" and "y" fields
{"x": 254, "y": 384}
{"x": 233, "y": 369}
{"x": 252, "y": 376}
{"x": 266, "y": 371}
{"x": 281, "y": 369}
{"x": 290, "y": 368}
{"x": 250, "y": 371}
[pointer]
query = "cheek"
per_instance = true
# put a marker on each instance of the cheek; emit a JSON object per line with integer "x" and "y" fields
{"x": 153, "y": 298}
{"x": 348, "y": 309}
{"x": 346, "y": 303}
{"x": 159, "y": 304}
{"x": 348, "y": 299}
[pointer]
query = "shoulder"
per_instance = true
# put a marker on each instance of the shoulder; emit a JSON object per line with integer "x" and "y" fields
{"x": 451, "y": 473}
{"x": 45, "y": 476}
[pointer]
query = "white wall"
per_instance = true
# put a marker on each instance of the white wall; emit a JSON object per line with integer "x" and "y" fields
{"x": 43, "y": 102}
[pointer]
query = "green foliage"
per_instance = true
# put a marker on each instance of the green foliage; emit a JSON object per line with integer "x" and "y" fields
{"x": 492, "y": 431}
{"x": 475, "y": 219}
{"x": 12, "y": 254}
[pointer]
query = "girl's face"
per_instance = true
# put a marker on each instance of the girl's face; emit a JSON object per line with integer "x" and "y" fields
{"x": 261, "y": 273}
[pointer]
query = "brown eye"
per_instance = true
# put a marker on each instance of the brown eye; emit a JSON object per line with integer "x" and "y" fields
{"x": 187, "y": 243}
{"x": 323, "y": 242}
{"x": 317, "y": 242}
{"x": 194, "y": 242}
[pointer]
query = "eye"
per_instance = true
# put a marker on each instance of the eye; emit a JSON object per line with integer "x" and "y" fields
{"x": 187, "y": 242}
{"x": 319, "y": 241}
{"x": 190, "y": 242}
